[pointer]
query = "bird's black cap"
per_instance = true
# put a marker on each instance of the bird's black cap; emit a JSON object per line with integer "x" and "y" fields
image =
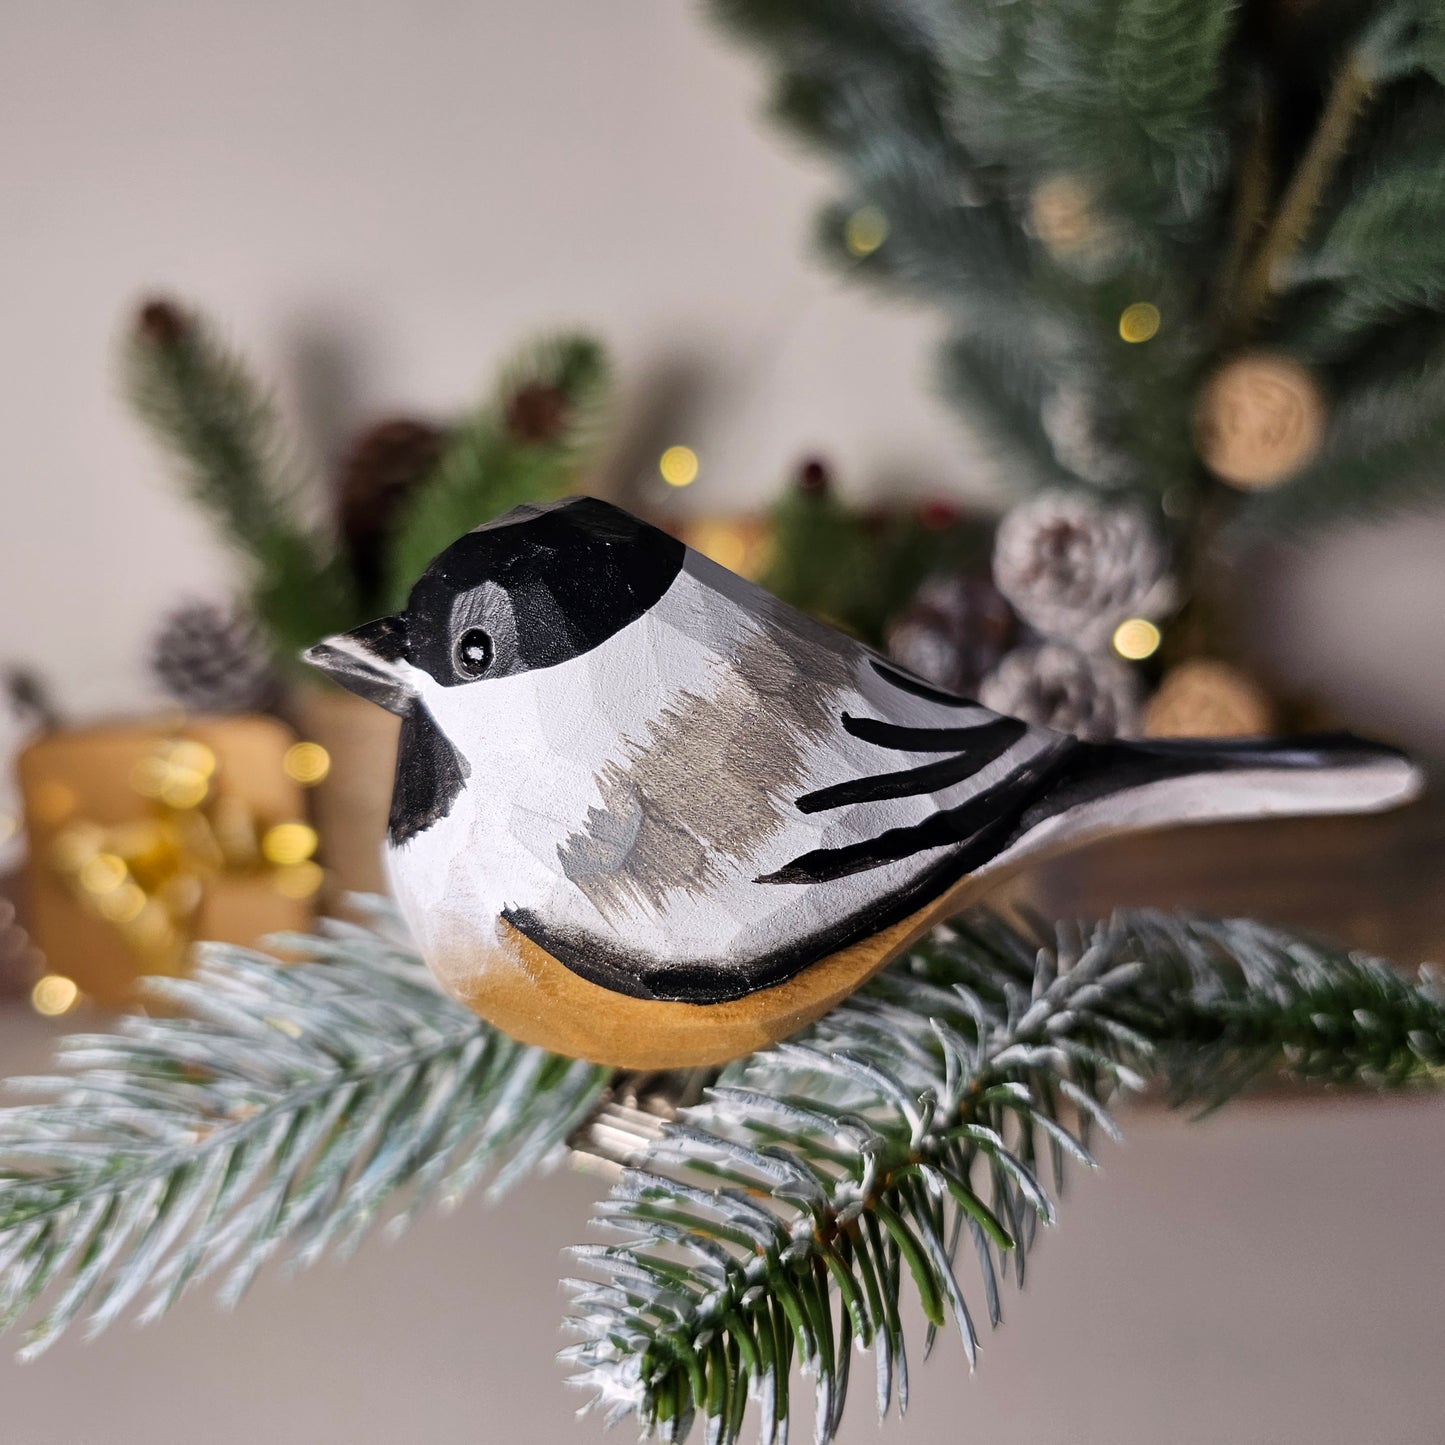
{"x": 536, "y": 587}
{"x": 541, "y": 584}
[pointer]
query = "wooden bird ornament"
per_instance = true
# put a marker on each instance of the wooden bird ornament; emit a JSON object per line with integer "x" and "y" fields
{"x": 649, "y": 815}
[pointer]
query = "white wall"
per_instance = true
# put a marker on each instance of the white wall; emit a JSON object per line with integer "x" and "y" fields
{"x": 378, "y": 198}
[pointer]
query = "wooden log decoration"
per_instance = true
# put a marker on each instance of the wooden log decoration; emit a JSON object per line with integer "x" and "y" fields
{"x": 1259, "y": 420}
{"x": 646, "y": 814}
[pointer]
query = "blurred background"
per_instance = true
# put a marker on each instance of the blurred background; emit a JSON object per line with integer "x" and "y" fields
{"x": 557, "y": 246}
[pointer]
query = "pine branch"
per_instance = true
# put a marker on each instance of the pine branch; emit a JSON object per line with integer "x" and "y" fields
{"x": 1131, "y": 96}
{"x": 1349, "y": 93}
{"x": 201, "y": 402}
{"x": 777, "y": 1222}
{"x": 283, "y": 1113}
{"x": 501, "y": 456}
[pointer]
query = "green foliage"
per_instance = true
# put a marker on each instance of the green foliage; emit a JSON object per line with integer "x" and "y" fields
{"x": 859, "y": 571}
{"x": 198, "y": 397}
{"x": 525, "y": 445}
{"x": 1126, "y": 95}
{"x": 280, "y": 1111}
{"x": 489, "y": 468}
{"x": 280, "y": 1114}
{"x": 779, "y": 1221}
{"x": 1263, "y": 185}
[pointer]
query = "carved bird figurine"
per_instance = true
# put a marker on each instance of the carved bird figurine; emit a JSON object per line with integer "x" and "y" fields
{"x": 647, "y": 814}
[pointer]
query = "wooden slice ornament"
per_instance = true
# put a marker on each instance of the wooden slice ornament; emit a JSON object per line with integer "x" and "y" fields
{"x": 1260, "y": 418}
{"x": 1208, "y": 698}
{"x": 1064, "y": 217}
{"x": 646, "y": 814}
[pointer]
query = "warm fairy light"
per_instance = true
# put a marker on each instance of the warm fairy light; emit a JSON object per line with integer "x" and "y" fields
{"x": 727, "y": 551}
{"x": 678, "y": 466}
{"x": 300, "y": 880}
{"x": 193, "y": 756}
{"x": 121, "y": 905}
{"x": 287, "y": 844}
{"x": 866, "y": 231}
{"x": 306, "y": 763}
{"x": 54, "y": 994}
{"x": 104, "y": 873}
{"x": 178, "y": 774}
{"x": 1139, "y": 321}
{"x": 1136, "y": 639}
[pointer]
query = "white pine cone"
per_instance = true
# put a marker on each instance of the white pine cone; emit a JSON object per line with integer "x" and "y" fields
{"x": 212, "y": 658}
{"x": 953, "y": 631}
{"x": 1084, "y": 442}
{"x": 1074, "y": 570}
{"x": 1093, "y": 696}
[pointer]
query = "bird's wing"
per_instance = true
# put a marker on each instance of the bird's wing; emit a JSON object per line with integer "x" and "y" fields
{"x": 906, "y": 790}
{"x": 919, "y": 770}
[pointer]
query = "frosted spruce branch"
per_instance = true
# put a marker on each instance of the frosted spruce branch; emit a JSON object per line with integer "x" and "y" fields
{"x": 286, "y": 1110}
{"x": 777, "y": 1222}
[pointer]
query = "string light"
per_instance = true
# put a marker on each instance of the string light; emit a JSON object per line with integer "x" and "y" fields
{"x": 865, "y": 232}
{"x": 306, "y": 763}
{"x": 287, "y": 844}
{"x": 1139, "y": 321}
{"x": 1136, "y": 638}
{"x": 679, "y": 466}
{"x": 54, "y": 994}
{"x": 104, "y": 873}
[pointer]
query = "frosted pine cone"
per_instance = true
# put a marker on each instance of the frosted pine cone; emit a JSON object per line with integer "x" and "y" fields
{"x": 1094, "y": 697}
{"x": 1075, "y": 570}
{"x": 212, "y": 658}
{"x": 953, "y": 632}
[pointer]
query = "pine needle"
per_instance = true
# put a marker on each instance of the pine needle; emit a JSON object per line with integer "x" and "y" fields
{"x": 776, "y": 1223}
{"x": 279, "y": 1114}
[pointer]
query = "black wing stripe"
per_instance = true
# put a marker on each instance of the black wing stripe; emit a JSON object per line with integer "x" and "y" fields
{"x": 985, "y": 816}
{"x": 927, "y": 740}
{"x": 981, "y": 746}
{"x": 916, "y": 685}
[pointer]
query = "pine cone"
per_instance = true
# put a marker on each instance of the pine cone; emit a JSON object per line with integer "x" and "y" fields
{"x": 384, "y": 467}
{"x": 162, "y": 323}
{"x": 212, "y": 658}
{"x": 538, "y": 414}
{"x": 1074, "y": 570}
{"x": 953, "y": 632}
{"x": 1093, "y": 697}
{"x": 814, "y": 477}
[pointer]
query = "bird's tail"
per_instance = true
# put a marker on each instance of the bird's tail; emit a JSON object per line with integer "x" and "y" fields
{"x": 1151, "y": 783}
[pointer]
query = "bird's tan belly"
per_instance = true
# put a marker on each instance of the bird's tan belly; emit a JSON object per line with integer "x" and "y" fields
{"x": 528, "y": 994}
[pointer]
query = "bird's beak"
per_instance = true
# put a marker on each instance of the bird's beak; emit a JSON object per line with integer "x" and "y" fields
{"x": 368, "y": 661}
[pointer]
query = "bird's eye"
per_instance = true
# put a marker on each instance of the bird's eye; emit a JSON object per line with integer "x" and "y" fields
{"x": 473, "y": 652}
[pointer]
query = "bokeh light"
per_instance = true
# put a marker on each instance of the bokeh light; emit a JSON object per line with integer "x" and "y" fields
{"x": 1136, "y": 638}
{"x": 1139, "y": 321}
{"x": 866, "y": 231}
{"x": 288, "y": 844}
{"x": 679, "y": 466}
{"x": 306, "y": 763}
{"x": 54, "y": 994}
